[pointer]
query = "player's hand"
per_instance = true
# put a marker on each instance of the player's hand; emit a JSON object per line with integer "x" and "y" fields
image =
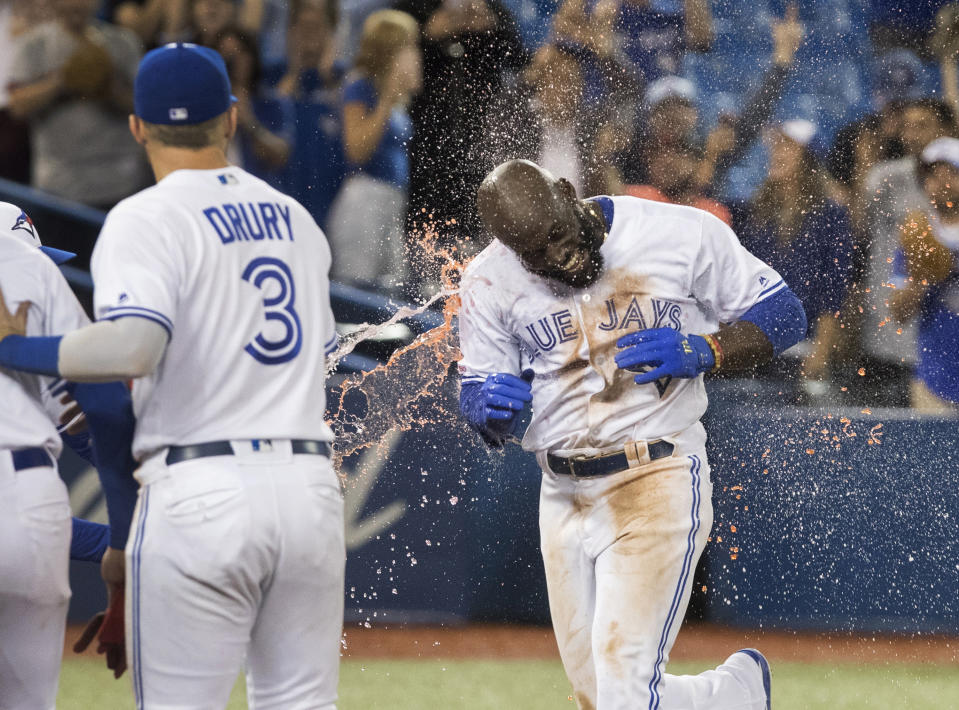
{"x": 72, "y": 417}
{"x": 89, "y": 632}
{"x": 668, "y": 352}
{"x": 504, "y": 395}
{"x": 13, "y": 323}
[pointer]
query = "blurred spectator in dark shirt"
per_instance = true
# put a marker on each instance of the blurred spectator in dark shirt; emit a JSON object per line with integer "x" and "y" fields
{"x": 468, "y": 46}
{"x": 855, "y": 151}
{"x": 154, "y": 21}
{"x": 16, "y": 18}
{"x": 672, "y": 178}
{"x": 262, "y": 141}
{"x": 367, "y": 219}
{"x": 210, "y": 18}
{"x": 674, "y": 115}
{"x": 892, "y": 191}
{"x": 541, "y": 118}
{"x": 795, "y": 228}
{"x": 944, "y": 44}
{"x": 72, "y": 80}
{"x": 902, "y": 23}
{"x": 929, "y": 289}
{"x": 311, "y": 84}
{"x": 545, "y": 118}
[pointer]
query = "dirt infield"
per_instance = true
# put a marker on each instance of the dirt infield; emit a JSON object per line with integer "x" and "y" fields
{"x": 698, "y": 642}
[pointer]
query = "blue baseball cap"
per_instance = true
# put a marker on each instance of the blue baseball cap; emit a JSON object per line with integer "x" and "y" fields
{"x": 181, "y": 84}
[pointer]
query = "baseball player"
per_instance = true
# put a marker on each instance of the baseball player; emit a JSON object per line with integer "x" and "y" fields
{"x": 36, "y": 532}
{"x": 605, "y": 313}
{"x": 212, "y": 293}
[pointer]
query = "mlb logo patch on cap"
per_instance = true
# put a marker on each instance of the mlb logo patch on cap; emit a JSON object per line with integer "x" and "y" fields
{"x": 179, "y": 114}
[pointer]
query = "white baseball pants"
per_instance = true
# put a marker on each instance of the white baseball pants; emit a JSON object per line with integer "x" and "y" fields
{"x": 236, "y": 560}
{"x": 35, "y": 534}
{"x": 620, "y": 551}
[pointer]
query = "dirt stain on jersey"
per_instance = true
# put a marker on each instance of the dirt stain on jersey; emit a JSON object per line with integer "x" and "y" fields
{"x": 602, "y": 341}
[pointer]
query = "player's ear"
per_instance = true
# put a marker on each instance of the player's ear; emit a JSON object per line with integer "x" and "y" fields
{"x": 231, "y": 123}
{"x": 566, "y": 188}
{"x": 137, "y": 130}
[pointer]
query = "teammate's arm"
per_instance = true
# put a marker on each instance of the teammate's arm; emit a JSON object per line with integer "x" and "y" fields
{"x": 106, "y": 351}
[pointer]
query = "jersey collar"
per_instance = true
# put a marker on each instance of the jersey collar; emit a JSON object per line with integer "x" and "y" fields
{"x": 606, "y": 205}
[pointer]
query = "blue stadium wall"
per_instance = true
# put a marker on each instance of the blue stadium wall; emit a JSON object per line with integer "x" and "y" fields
{"x": 824, "y": 521}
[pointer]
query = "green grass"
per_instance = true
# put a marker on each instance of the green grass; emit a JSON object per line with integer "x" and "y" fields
{"x": 541, "y": 685}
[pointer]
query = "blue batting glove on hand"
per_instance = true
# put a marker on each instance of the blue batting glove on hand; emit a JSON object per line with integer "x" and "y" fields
{"x": 504, "y": 396}
{"x": 667, "y": 351}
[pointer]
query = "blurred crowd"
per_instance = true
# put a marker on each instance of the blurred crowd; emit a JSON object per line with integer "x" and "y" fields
{"x": 382, "y": 118}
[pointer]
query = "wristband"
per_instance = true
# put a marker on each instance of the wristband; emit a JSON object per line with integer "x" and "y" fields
{"x": 39, "y": 355}
{"x": 717, "y": 351}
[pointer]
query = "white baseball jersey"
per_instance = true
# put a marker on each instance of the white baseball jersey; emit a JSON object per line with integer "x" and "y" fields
{"x": 28, "y": 412}
{"x": 238, "y": 275}
{"x": 665, "y": 266}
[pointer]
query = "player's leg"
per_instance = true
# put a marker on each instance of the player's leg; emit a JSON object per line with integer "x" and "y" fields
{"x": 658, "y": 518}
{"x": 194, "y": 567}
{"x": 34, "y": 586}
{"x": 294, "y": 654}
{"x": 570, "y": 583}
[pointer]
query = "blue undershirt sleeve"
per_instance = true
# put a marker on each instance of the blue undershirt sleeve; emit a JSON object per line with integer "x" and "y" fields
{"x": 39, "y": 355}
{"x": 89, "y": 540}
{"x": 109, "y": 412}
{"x": 81, "y": 444}
{"x": 781, "y": 318}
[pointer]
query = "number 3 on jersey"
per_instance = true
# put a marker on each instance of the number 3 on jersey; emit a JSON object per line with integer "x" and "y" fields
{"x": 278, "y": 308}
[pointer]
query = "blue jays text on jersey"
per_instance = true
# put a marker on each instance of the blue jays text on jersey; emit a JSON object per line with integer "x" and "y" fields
{"x": 622, "y": 313}
{"x": 250, "y": 221}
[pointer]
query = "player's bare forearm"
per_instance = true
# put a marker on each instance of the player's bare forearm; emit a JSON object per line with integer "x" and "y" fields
{"x": 744, "y": 347}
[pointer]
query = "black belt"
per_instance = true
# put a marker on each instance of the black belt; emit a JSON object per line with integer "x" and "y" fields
{"x": 603, "y": 465}
{"x": 179, "y": 454}
{"x": 30, "y": 458}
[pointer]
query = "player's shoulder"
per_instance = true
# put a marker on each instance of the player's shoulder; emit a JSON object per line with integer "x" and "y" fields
{"x": 490, "y": 261}
{"x": 21, "y": 262}
{"x": 629, "y": 208}
{"x": 648, "y": 227}
{"x": 12, "y": 248}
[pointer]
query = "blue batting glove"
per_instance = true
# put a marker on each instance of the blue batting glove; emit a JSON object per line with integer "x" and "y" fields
{"x": 667, "y": 351}
{"x": 504, "y": 395}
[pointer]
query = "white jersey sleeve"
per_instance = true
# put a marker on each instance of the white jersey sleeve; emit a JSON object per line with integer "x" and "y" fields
{"x": 487, "y": 345}
{"x": 726, "y": 278}
{"x": 135, "y": 274}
